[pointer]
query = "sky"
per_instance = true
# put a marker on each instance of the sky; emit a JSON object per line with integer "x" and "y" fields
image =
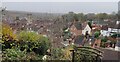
{"x": 59, "y": 0}
{"x": 62, "y": 6}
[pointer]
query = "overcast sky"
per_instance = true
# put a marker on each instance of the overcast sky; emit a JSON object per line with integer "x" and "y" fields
{"x": 63, "y": 7}
{"x": 59, "y": 0}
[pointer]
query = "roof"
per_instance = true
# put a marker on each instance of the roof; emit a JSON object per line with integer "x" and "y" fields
{"x": 111, "y": 24}
{"x": 114, "y": 25}
{"x": 118, "y": 26}
{"x": 104, "y": 27}
{"x": 79, "y": 39}
{"x": 101, "y": 22}
{"x": 78, "y": 25}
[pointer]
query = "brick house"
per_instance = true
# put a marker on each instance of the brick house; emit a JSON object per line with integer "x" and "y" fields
{"x": 78, "y": 31}
{"x": 76, "y": 28}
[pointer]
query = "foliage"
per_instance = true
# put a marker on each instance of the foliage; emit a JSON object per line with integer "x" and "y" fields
{"x": 102, "y": 16}
{"x": 28, "y": 36}
{"x": 103, "y": 41}
{"x": 67, "y": 52}
{"x": 57, "y": 53}
{"x": 9, "y": 38}
{"x": 97, "y": 34}
{"x": 14, "y": 54}
{"x": 21, "y": 46}
{"x": 66, "y": 34}
{"x": 31, "y": 41}
{"x": 7, "y": 33}
{"x": 90, "y": 24}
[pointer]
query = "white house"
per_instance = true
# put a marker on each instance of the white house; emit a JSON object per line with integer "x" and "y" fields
{"x": 105, "y": 33}
{"x": 104, "y": 30}
{"x": 87, "y": 28}
{"x": 115, "y": 30}
{"x": 112, "y": 27}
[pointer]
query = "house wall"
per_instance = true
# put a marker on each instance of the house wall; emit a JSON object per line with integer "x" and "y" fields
{"x": 113, "y": 30}
{"x": 105, "y": 33}
{"x": 87, "y": 28}
{"x": 74, "y": 31}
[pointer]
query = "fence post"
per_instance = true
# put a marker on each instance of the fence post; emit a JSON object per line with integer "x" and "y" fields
{"x": 73, "y": 55}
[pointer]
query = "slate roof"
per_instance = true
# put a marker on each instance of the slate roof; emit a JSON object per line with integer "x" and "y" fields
{"x": 101, "y": 22}
{"x": 114, "y": 25}
{"x": 78, "y": 25}
{"x": 118, "y": 26}
{"x": 111, "y": 24}
{"x": 104, "y": 27}
{"x": 79, "y": 39}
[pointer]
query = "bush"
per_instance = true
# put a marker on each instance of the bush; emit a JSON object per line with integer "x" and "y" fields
{"x": 13, "y": 54}
{"x": 97, "y": 34}
{"x": 8, "y": 37}
{"x": 26, "y": 43}
{"x": 31, "y": 41}
{"x": 104, "y": 39}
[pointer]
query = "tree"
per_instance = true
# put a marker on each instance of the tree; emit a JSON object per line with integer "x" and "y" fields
{"x": 28, "y": 36}
{"x": 97, "y": 34}
{"x": 101, "y": 16}
{"x": 103, "y": 41}
{"x": 7, "y": 33}
{"x": 9, "y": 38}
{"x": 31, "y": 41}
{"x": 81, "y": 17}
{"x": 90, "y": 24}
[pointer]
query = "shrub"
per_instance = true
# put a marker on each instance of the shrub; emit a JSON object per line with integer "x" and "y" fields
{"x": 13, "y": 54}
{"x": 31, "y": 41}
{"x": 8, "y": 37}
{"x": 97, "y": 34}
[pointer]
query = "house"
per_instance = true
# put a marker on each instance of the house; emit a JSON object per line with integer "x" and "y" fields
{"x": 114, "y": 27}
{"x": 104, "y": 30}
{"x": 76, "y": 28}
{"x": 85, "y": 29}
